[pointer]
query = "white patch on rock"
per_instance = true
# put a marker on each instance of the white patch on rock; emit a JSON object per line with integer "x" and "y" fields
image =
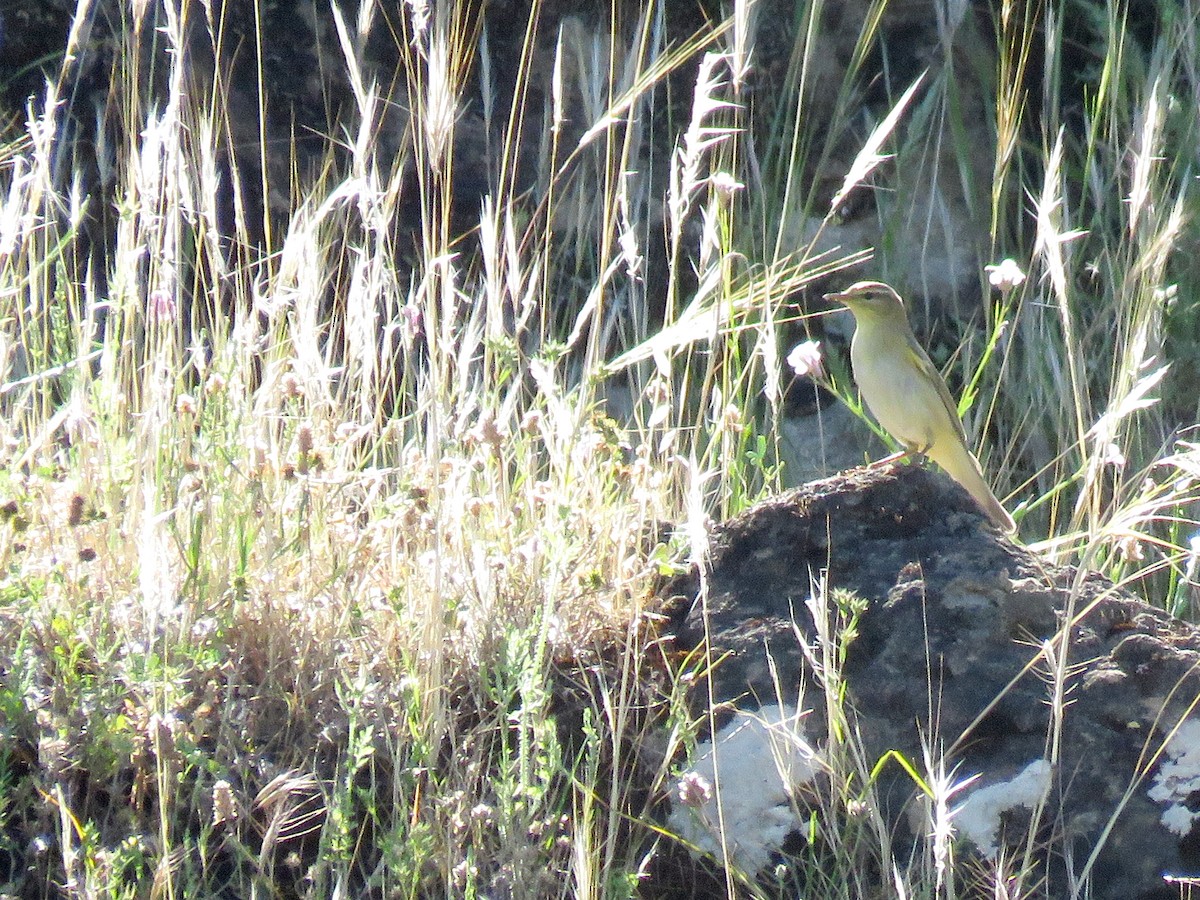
{"x": 978, "y": 819}
{"x": 1178, "y": 777}
{"x": 760, "y": 758}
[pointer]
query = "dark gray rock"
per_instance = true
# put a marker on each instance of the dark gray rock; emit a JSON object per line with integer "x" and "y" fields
{"x": 952, "y": 646}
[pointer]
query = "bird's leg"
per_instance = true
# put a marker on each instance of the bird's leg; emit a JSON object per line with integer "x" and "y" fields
{"x": 915, "y": 455}
{"x": 899, "y": 454}
{"x": 918, "y": 454}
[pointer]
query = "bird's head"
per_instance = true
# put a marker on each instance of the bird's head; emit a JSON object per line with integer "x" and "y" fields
{"x": 870, "y": 298}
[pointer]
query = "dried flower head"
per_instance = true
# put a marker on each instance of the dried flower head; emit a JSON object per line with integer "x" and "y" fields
{"x": 225, "y": 807}
{"x": 185, "y": 405}
{"x": 75, "y": 510}
{"x": 290, "y": 386}
{"x": 304, "y": 438}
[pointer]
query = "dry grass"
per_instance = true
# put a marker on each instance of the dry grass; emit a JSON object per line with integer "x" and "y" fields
{"x": 302, "y": 524}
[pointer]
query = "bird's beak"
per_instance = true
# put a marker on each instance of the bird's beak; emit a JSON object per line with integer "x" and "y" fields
{"x": 840, "y": 297}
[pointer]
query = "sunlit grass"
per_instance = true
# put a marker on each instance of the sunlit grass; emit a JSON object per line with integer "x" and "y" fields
{"x": 307, "y": 528}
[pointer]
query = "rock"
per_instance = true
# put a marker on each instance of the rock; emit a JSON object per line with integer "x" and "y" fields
{"x": 817, "y": 441}
{"x": 923, "y": 213}
{"x": 954, "y": 661}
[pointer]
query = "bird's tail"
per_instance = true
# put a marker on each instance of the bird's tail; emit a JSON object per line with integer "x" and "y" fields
{"x": 961, "y": 465}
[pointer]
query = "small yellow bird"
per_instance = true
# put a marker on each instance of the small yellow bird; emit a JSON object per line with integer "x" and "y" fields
{"x": 904, "y": 390}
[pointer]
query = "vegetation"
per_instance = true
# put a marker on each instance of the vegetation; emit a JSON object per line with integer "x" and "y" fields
{"x": 328, "y": 539}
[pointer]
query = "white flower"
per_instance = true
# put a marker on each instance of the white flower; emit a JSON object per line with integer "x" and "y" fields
{"x": 1005, "y": 277}
{"x": 806, "y": 360}
{"x": 725, "y": 184}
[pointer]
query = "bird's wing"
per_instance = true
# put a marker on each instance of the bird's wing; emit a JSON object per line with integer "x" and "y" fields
{"x": 930, "y": 373}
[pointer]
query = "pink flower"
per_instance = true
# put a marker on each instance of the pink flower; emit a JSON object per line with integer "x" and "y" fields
{"x": 693, "y": 789}
{"x": 162, "y": 306}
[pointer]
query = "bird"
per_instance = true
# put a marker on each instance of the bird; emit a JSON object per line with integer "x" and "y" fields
{"x": 907, "y": 394}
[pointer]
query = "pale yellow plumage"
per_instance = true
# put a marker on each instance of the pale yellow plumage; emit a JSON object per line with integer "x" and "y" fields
{"x": 906, "y": 393}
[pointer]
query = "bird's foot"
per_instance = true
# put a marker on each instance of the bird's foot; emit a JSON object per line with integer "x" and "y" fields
{"x": 916, "y": 457}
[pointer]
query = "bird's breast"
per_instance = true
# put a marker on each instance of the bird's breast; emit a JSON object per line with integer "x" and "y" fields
{"x": 893, "y": 388}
